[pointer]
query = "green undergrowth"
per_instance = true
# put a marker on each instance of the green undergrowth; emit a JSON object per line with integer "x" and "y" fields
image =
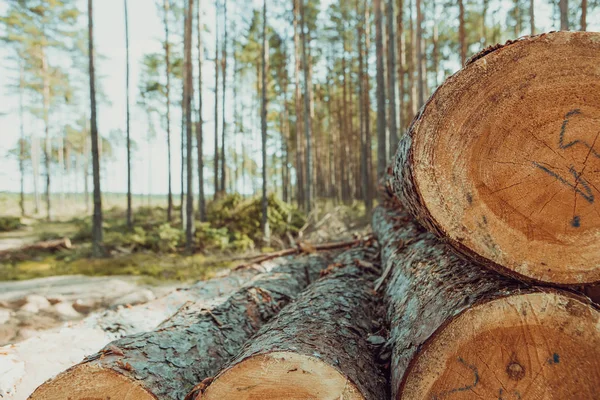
{"x": 150, "y": 266}
{"x": 154, "y": 248}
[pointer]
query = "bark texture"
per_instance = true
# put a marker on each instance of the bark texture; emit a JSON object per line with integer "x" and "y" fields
{"x": 193, "y": 344}
{"x": 429, "y": 287}
{"x": 331, "y": 322}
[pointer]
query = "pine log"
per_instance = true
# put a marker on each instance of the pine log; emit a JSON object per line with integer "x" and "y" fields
{"x": 503, "y": 161}
{"x": 187, "y": 348}
{"x": 461, "y": 332}
{"x": 316, "y": 348}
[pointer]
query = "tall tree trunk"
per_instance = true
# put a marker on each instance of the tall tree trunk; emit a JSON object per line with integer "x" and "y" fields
{"x": 35, "y": 166}
{"x": 532, "y": 17}
{"x": 298, "y": 104}
{"x": 97, "y": 218}
{"x": 584, "y": 5}
{"x": 461, "y": 32}
{"x": 367, "y": 112}
{"x": 381, "y": 120}
{"x": 47, "y": 146}
{"x": 307, "y": 109}
{"x": 392, "y": 79}
{"x": 127, "y": 90}
{"x": 86, "y": 170}
{"x": 413, "y": 64}
{"x": 224, "y": 82}
{"x": 200, "y": 126}
{"x": 564, "y": 14}
{"x": 188, "y": 90}
{"x": 168, "y": 98}
{"x": 401, "y": 63}
{"x": 216, "y": 163}
{"x": 364, "y": 173}
{"x": 22, "y": 140}
{"x": 263, "y": 124}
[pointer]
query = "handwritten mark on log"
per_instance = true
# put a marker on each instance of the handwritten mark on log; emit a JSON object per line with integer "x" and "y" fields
{"x": 586, "y": 193}
{"x": 563, "y": 129}
{"x": 576, "y": 222}
{"x": 555, "y": 359}
{"x": 465, "y": 388}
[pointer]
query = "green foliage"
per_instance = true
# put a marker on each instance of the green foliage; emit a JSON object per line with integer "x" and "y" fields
{"x": 8, "y": 224}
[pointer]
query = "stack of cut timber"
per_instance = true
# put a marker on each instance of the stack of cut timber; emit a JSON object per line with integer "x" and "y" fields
{"x": 317, "y": 347}
{"x": 501, "y": 164}
{"x": 187, "y": 348}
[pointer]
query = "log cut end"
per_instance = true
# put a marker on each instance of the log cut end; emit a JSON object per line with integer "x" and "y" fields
{"x": 91, "y": 382}
{"x": 539, "y": 345}
{"x": 283, "y": 376}
{"x": 504, "y": 159}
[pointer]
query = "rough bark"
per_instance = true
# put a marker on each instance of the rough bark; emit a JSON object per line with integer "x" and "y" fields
{"x": 326, "y": 328}
{"x": 64, "y": 347}
{"x": 447, "y": 317}
{"x": 187, "y": 348}
{"x": 504, "y": 205}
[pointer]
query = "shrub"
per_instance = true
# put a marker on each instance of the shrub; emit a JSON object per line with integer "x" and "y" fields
{"x": 9, "y": 224}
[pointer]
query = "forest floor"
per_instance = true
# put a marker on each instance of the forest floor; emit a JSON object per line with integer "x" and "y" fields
{"x": 41, "y": 290}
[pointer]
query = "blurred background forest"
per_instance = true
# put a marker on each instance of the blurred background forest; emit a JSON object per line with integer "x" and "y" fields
{"x": 223, "y": 127}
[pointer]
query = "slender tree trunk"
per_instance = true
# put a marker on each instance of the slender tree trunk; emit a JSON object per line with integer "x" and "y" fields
{"x": 401, "y": 63}
{"x": 461, "y": 32}
{"x": 361, "y": 98}
{"x": 183, "y": 165}
{"x": 86, "y": 171}
{"x": 413, "y": 64}
{"x": 564, "y": 14}
{"x": 188, "y": 95}
{"x": 263, "y": 124}
{"x": 307, "y": 110}
{"x": 47, "y": 146}
{"x": 168, "y": 98}
{"x": 367, "y": 113}
{"x": 35, "y": 164}
{"x": 97, "y": 218}
{"x": 381, "y": 120}
{"x": 216, "y": 166}
{"x": 394, "y": 137}
{"x": 224, "y": 82}
{"x": 483, "y": 23}
{"x": 200, "y": 127}
{"x": 22, "y": 140}
{"x": 127, "y": 90}
{"x": 420, "y": 56}
{"x": 584, "y": 5}
{"x": 532, "y": 17}
{"x": 298, "y": 104}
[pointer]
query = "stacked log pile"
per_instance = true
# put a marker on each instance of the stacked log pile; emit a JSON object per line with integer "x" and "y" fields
{"x": 486, "y": 232}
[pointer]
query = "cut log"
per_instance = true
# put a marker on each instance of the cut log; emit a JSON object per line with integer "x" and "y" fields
{"x": 503, "y": 161}
{"x": 462, "y": 332}
{"x": 48, "y": 245}
{"x": 316, "y": 348}
{"x": 187, "y": 348}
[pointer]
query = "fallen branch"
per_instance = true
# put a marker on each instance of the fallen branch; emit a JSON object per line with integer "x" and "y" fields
{"x": 303, "y": 247}
{"x": 48, "y": 245}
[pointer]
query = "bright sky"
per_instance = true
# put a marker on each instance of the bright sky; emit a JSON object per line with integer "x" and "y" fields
{"x": 146, "y": 30}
